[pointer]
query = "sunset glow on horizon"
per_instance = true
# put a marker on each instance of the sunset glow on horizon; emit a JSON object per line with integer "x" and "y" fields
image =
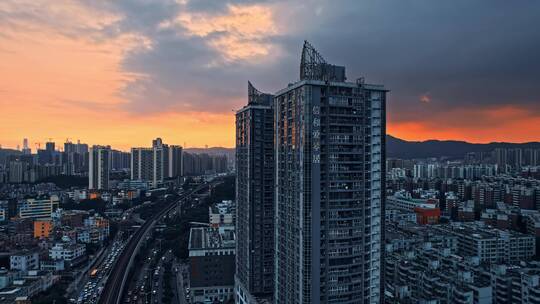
{"x": 121, "y": 74}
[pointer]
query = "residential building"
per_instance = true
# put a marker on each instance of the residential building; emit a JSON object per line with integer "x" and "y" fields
{"x": 174, "y": 165}
{"x": 38, "y": 208}
{"x": 42, "y": 228}
{"x": 330, "y": 158}
{"x": 142, "y": 162}
{"x": 516, "y": 283}
{"x": 429, "y": 274}
{"x": 120, "y": 160}
{"x": 27, "y": 286}
{"x": 403, "y": 200}
{"x": 211, "y": 261}
{"x": 24, "y": 260}
{"x": 7, "y": 277}
{"x": 432, "y": 264}
{"x": 52, "y": 265}
{"x": 222, "y": 214}
{"x": 489, "y": 244}
{"x": 255, "y": 197}
{"x": 67, "y": 252}
{"x": 99, "y": 162}
{"x": 425, "y": 216}
{"x": 156, "y": 163}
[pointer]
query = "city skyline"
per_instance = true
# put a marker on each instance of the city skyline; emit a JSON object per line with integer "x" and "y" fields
{"x": 168, "y": 68}
{"x": 269, "y": 151}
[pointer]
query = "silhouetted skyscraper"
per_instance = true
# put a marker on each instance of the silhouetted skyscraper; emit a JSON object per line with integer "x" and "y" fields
{"x": 49, "y": 146}
{"x": 255, "y": 198}
{"x": 26, "y": 150}
{"x": 330, "y": 156}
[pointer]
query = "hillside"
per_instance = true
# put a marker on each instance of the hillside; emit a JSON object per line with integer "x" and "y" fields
{"x": 399, "y": 148}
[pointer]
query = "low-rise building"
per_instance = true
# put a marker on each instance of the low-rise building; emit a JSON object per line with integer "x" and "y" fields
{"x": 68, "y": 252}
{"x": 465, "y": 211}
{"x": 427, "y": 216}
{"x": 516, "y": 283}
{"x": 91, "y": 235}
{"x": 52, "y": 265}
{"x": 221, "y": 213}
{"x": 490, "y": 244}
{"x": 399, "y": 216}
{"x": 403, "y": 200}
{"x": 8, "y": 276}
{"x": 42, "y": 228}
{"x": 24, "y": 260}
{"x": 428, "y": 274}
{"x": 38, "y": 208}
{"x": 27, "y": 286}
{"x": 212, "y": 264}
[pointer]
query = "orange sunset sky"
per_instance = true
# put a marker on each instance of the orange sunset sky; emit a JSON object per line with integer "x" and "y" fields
{"x": 124, "y": 72}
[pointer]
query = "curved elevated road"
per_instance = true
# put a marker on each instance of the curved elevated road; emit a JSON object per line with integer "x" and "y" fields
{"x": 113, "y": 291}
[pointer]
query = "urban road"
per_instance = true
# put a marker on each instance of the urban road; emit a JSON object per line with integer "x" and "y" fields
{"x": 114, "y": 288}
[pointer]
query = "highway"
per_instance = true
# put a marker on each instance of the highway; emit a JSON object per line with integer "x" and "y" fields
{"x": 113, "y": 291}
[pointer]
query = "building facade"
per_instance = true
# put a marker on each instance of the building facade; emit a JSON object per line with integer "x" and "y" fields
{"x": 156, "y": 163}
{"x": 174, "y": 166}
{"x": 24, "y": 261}
{"x": 38, "y": 208}
{"x": 330, "y": 156}
{"x": 99, "y": 167}
{"x": 211, "y": 261}
{"x": 255, "y": 197}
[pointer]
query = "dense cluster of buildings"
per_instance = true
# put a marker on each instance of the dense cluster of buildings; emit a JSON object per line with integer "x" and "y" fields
{"x": 320, "y": 215}
{"x": 507, "y": 157}
{"x": 73, "y": 160}
{"x": 149, "y": 164}
{"x": 458, "y": 171}
{"x": 36, "y": 250}
{"x": 463, "y": 231}
{"x": 460, "y": 263}
{"x": 204, "y": 163}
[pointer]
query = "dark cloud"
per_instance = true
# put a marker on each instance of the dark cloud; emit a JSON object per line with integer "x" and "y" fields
{"x": 466, "y": 54}
{"x": 463, "y": 53}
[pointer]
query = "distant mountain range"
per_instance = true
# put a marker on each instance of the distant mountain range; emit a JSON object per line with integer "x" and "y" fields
{"x": 399, "y": 148}
{"x": 395, "y": 148}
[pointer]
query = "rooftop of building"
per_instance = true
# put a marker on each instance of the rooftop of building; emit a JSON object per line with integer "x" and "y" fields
{"x": 477, "y": 230}
{"x": 25, "y": 252}
{"x": 224, "y": 207}
{"x": 315, "y": 70}
{"x": 212, "y": 238}
{"x": 67, "y": 246}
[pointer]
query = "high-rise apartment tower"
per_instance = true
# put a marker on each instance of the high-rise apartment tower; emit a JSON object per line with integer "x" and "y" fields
{"x": 329, "y": 196}
{"x": 255, "y": 198}
{"x": 99, "y": 167}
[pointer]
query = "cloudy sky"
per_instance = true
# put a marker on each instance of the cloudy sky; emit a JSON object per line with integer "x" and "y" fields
{"x": 122, "y": 72}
